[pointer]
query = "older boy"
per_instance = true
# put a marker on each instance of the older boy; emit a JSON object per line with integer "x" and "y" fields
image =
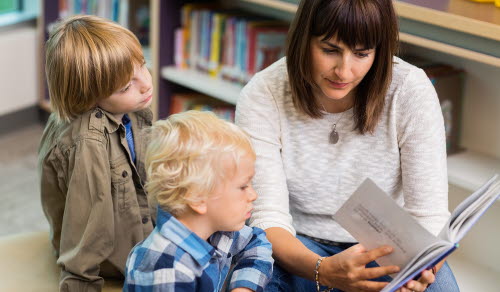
{"x": 200, "y": 170}
{"x": 91, "y": 153}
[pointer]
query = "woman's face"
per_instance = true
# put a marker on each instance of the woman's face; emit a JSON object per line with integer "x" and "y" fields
{"x": 337, "y": 69}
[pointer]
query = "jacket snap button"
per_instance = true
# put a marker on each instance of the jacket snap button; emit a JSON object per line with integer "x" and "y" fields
{"x": 124, "y": 173}
{"x": 145, "y": 220}
{"x": 98, "y": 115}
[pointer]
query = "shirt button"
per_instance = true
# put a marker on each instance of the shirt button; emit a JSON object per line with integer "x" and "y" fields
{"x": 145, "y": 220}
{"x": 124, "y": 173}
{"x": 98, "y": 115}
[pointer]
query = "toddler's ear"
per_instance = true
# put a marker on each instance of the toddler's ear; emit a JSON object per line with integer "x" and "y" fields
{"x": 199, "y": 206}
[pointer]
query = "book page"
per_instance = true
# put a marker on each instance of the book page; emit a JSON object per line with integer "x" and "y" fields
{"x": 375, "y": 219}
{"x": 462, "y": 222}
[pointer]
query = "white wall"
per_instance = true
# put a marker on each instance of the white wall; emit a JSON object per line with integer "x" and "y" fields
{"x": 18, "y": 68}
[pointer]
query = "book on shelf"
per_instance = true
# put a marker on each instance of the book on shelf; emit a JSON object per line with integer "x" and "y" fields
{"x": 196, "y": 101}
{"x": 228, "y": 44}
{"x": 191, "y": 26}
{"x": 266, "y": 45}
{"x": 375, "y": 219}
{"x": 216, "y": 40}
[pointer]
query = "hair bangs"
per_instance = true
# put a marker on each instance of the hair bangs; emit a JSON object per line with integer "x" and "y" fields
{"x": 357, "y": 24}
{"x": 124, "y": 52}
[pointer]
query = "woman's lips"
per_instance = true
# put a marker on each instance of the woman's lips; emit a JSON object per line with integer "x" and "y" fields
{"x": 337, "y": 84}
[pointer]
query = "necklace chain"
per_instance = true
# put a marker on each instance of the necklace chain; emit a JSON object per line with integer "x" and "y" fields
{"x": 333, "y": 137}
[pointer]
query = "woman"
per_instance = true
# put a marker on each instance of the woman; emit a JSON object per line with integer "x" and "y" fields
{"x": 338, "y": 109}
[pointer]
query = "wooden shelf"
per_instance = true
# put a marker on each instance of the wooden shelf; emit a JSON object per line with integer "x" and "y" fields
{"x": 469, "y": 170}
{"x": 201, "y": 82}
{"x": 449, "y": 49}
{"x": 456, "y": 27}
{"x": 479, "y": 19}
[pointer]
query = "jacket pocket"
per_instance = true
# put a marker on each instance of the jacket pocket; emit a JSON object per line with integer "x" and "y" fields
{"x": 121, "y": 184}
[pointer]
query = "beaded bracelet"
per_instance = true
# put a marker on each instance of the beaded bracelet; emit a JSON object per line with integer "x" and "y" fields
{"x": 316, "y": 275}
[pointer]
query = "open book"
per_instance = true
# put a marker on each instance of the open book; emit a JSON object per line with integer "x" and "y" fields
{"x": 375, "y": 219}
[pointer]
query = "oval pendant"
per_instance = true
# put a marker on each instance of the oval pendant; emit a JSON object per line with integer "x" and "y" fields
{"x": 334, "y": 137}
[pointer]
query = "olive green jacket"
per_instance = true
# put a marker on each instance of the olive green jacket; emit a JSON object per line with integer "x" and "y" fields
{"x": 93, "y": 195}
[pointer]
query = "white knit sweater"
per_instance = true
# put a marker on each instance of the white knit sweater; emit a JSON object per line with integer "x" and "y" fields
{"x": 302, "y": 180}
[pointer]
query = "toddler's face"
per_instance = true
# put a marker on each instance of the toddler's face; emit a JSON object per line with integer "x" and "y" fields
{"x": 135, "y": 96}
{"x": 231, "y": 204}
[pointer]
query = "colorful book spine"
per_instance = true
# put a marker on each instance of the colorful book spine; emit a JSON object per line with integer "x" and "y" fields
{"x": 218, "y": 20}
{"x": 179, "y": 48}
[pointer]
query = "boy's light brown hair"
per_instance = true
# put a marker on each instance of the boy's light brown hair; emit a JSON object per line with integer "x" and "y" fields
{"x": 189, "y": 154}
{"x": 88, "y": 58}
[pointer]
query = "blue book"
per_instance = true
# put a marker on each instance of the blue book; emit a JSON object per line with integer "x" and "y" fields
{"x": 375, "y": 219}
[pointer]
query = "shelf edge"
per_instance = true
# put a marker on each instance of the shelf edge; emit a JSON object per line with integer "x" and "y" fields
{"x": 175, "y": 75}
{"x": 449, "y": 49}
{"x": 448, "y": 20}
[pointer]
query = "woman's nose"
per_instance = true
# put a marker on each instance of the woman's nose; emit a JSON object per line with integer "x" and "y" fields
{"x": 343, "y": 68}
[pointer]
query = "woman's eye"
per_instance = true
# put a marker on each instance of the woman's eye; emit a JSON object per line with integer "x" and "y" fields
{"x": 328, "y": 51}
{"x": 362, "y": 55}
{"x": 244, "y": 187}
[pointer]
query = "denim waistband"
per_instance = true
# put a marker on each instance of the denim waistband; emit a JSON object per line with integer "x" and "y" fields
{"x": 343, "y": 245}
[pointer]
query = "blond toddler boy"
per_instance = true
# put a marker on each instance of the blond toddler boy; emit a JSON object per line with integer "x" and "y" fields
{"x": 200, "y": 170}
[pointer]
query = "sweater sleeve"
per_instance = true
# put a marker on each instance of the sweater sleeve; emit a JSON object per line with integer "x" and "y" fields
{"x": 257, "y": 113}
{"x": 422, "y": 143}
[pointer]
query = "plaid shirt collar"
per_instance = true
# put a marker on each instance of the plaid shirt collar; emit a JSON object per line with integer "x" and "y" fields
{"x": 179, "y": 234}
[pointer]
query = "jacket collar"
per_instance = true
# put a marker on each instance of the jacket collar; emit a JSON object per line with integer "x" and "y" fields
{"x": 100, "y": 119}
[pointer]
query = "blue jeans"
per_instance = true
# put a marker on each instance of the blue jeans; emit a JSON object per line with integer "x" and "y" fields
{"x": 284, "y": 281}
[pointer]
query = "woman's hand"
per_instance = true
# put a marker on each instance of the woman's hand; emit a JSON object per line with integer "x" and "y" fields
{"x": 426, "y": 278}
{"x": 347, "y": 271}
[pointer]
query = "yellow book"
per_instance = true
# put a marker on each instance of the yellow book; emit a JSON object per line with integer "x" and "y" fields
{"x": 214, "y": 62}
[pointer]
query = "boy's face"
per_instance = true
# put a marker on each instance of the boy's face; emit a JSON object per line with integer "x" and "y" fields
{"x": 231, "y": 204}
{"x": 135, "y": 96}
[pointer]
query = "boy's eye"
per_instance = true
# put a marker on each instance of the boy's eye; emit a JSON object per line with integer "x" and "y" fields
{"x": 126, "y": 88}
{"x": 244, "y": 187}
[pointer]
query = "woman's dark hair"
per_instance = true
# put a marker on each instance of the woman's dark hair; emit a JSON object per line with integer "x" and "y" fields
{"x": 365, "y": 23}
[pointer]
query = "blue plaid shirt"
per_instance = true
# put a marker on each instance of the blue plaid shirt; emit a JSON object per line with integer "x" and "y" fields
{"x": 173, "y": 258}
